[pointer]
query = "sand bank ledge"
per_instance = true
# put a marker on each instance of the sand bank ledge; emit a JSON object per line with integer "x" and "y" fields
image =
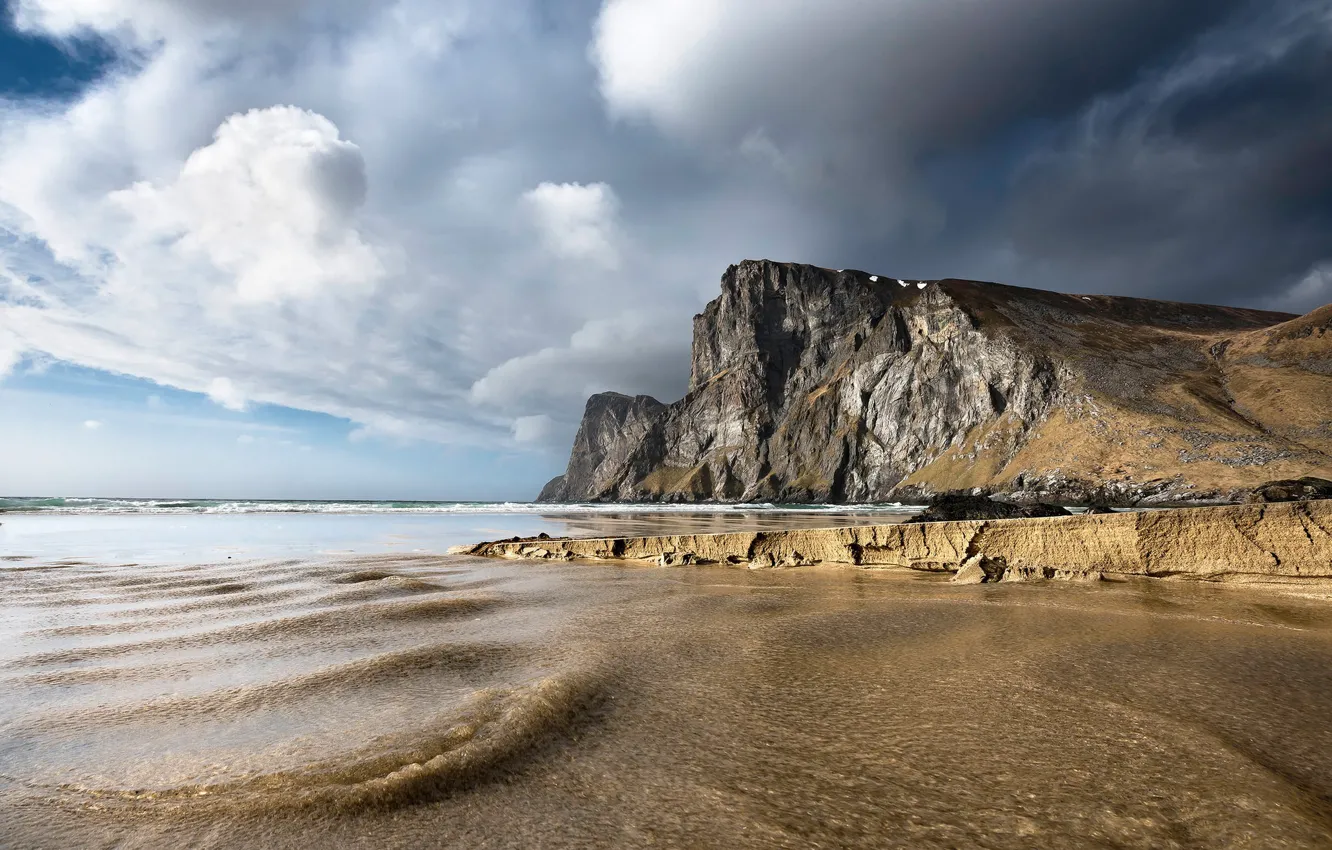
{"x": 1265, "y": 543}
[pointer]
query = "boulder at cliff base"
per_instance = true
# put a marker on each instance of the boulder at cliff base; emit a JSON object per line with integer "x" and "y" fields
{"x": 1292, "y": 490}
{"x": 959, "y": 508}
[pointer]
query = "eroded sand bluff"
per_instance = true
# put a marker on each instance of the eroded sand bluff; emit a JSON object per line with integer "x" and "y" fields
{"x": 1279, "y": 543}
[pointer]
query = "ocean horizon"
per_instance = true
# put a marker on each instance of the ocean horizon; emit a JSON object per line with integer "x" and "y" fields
{"x": 157, "y": 531}
{"x": 77, "y": 505}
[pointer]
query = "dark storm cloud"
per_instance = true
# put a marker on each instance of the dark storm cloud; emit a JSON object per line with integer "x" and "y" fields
{"x": 1178, "y": 150}
{"x": 969, "y": 74}
{"x": 1209, "y": 181}
{"x": 881, "y": 80}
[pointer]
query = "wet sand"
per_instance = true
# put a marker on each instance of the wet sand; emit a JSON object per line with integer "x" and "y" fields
{"x": 436, "y": 701}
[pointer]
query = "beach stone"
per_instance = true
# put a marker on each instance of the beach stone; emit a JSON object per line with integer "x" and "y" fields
{"x": 1025, "y": 573}
{"x": 1078, "y": 575}
{"x": 954, "y": 508}
{"x": 1292, "y": 490}
{"x": 971, "y": 573}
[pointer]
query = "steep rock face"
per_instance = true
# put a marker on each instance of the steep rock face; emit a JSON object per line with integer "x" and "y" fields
{"x": 837, "y": 386}
{"x": 618, "y": 437}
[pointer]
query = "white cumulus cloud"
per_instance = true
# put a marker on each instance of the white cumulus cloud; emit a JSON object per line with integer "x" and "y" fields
{"x": 241, "y": 211}
{"x": 269, "y": 208}
{"x": 631, "y": 351}
{"x": 576, "y": 221}
{"x": 9, "y": 358}
{"x": 224, "y": 391}
{"x": 533, "y": 429}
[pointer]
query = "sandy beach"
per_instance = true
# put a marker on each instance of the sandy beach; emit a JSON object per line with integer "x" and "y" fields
{"x": 407, "y": 699}
{"x": 737, "y": 424}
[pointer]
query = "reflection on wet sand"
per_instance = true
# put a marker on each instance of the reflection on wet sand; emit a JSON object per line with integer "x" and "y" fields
{"x": 453, "y": 702}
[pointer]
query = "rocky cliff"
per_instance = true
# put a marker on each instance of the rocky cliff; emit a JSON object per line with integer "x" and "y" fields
{"x": 814, "y": 385}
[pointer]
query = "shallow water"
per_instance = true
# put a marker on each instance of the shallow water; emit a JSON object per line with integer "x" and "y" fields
{"x": 196, "y": 538}
{"x": 402, "y": 699}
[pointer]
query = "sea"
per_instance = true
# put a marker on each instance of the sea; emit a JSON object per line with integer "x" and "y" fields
{"x": 178, "y": 507}
{"x": 192, "y": 530}
{"x": 249, "y": 674}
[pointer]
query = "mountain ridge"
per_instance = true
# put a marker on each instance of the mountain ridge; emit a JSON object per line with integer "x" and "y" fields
{"x": 819, "y": 385}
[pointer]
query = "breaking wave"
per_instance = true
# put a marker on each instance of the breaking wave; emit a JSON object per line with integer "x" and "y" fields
{"x": 83, "y": 506}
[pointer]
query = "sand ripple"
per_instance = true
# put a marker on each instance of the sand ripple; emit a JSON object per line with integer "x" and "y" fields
{"x": 449, "y": 702}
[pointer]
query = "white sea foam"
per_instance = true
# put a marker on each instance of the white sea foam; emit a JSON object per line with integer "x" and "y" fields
{"x": 84, "y": 506}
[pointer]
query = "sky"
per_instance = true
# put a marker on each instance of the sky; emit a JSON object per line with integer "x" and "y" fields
{"x": 387, "y": 248}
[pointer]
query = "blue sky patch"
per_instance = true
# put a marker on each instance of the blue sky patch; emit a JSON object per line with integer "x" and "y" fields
{"x": 31, "y": 66}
